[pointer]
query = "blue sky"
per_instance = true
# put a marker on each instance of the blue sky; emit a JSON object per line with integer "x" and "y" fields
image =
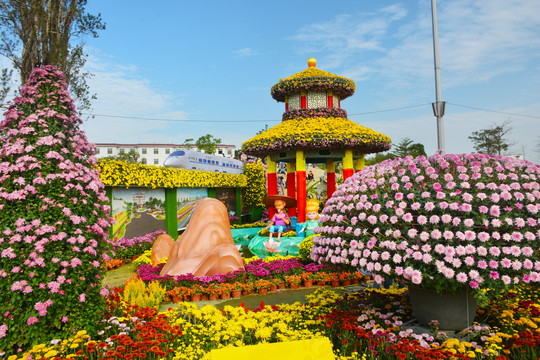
{"x": 211, "y": 64}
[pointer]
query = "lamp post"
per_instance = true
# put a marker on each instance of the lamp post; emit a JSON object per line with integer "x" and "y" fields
{"x": 438, "y": 105}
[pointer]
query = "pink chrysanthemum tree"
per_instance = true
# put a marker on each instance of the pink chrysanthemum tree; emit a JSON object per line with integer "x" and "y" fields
{"x": 53, "y": 218}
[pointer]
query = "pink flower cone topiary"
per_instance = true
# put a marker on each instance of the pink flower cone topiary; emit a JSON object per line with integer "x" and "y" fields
{"x": 53, "y": 218}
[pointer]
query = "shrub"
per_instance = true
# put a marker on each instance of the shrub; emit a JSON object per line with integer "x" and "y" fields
{"x": 53, "y": 218}
{"x": 444, "y": 222}
{"x": 304, "y": 249}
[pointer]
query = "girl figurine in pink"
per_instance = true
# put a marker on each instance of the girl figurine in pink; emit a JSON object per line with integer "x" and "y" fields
{"x": 280, "y": 220}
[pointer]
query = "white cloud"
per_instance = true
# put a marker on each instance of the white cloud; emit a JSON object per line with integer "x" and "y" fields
{"x": 245, "y": 52}
{"x": 123, "y": 92}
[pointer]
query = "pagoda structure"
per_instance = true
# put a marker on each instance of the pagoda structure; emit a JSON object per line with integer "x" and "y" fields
{"x": 314, "y": 129}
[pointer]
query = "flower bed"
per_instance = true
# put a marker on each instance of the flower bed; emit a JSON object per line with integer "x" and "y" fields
{"x": 367, "y": 325}
{"x": 258, "y": 275}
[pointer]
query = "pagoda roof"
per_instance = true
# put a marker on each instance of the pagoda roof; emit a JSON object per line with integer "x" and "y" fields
{"x": 318, "y": 133}
{"x": 313, "y": 79}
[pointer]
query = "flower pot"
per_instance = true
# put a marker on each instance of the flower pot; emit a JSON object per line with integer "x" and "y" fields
{"x": 273, "y": 288}
{"x": 308, "y": 283}
{"x": 453, "y": 311}
{"x": 167, "y": 298}
{"x": 282, "y": 285}
{"x": 263, "y": 291}
{"x": 335, "y": 283}
{"x": 346, "y": 282}
{"x": 320, "y": 283}
{"x": 212, "y": 297}
{"x": 355, "y": 281}
{"x": 295, "y": 286}
{"x": 204, "y": 297}
{"x": 246, "y": 292}
{"x": 176, "y": 298}
{"x": 225, "y": 295}
{"x": 196, "y": 297}
{"x": 236, "y": 293}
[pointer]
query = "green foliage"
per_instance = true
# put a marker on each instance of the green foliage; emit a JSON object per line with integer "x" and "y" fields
{"x": 53, "y": 218}
{"x": 407, "y": 147}
{"x": 492, "y": 140}
{"x": 40, "y": 32}
{"x": 207, "y": 144}
{"x": 130, "y": 157}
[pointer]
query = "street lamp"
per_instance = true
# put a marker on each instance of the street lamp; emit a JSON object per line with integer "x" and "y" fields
{"x": 438, "y": 106}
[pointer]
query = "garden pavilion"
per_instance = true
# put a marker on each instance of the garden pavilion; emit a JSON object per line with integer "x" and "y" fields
{"x": 314, "y": 129}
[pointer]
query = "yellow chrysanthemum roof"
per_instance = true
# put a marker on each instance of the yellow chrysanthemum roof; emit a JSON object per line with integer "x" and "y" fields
{"x": 313, "y": 79}
{"x": 316, "y": 134}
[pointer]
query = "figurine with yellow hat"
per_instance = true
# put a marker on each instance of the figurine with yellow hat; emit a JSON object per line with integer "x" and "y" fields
{"x": 280, "y": 220}
{"x": 312, "y": 214}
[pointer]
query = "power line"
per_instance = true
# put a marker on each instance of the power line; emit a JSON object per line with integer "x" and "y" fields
{"x": 226, "y": 121}
{"x": 494, "y": 111}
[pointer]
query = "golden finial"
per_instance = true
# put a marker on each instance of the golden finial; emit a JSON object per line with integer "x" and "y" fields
{"x": 311, "y": 62}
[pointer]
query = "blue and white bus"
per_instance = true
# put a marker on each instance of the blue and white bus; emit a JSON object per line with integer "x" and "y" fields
{"x": 193, "y": 160}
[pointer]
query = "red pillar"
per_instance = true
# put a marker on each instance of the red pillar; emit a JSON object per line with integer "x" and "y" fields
{"x": 291, "y": 185}
{"x": 303, "y": 100}
{"x": 330, "y": 99}
{"x": 271, "y": 182}
{"x": 330, "y": 177}
{"x": 300, "y": 187}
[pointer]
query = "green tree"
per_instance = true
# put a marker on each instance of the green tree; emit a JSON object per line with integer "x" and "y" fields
{"x": 5, "y": 84}
{"x": 378, "y": 158}
{"x": 492, "y": 140}
{"x": 207, "y": 143}
{"x": 407, "y": 147}
{"x": 262, "y": 130}
{"x": 57, "y": 197}
{"x": 131, "y": 157}
{"x": 43, "y": 32}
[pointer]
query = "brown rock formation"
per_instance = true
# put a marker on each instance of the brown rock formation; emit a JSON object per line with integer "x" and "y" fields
{"x": 161, "y": 248}
{"x": 207, "y": 246}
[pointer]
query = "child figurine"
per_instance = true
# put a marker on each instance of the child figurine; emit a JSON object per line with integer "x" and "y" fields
{"x": 280, "y": 220}
{"x": 312, "y": 213}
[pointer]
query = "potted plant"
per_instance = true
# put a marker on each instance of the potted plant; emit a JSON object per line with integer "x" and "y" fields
{"x": 449, "y": 226}
{"x": 236, "y": 290}
{"x": 293, "y": 281}
{"x": 308, "y": 278}
{"x": 214, "y": 291}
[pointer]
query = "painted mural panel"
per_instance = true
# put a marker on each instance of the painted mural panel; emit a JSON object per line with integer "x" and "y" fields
{"x": 186, "y": 198}
{"x": 137, "y": 211}
{"x": 227, "y": 197}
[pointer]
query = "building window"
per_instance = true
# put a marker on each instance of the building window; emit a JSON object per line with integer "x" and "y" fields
{"x": 156, "y": 161}
{"x": 167, "y": 151}
{"x": 109, "y": 151}
{"x": 97, "y": 151}
{"x": 156, "y": 151}
{"x": 144, "y": 152}
{"x": 143, "y": 161}
{"x": 121, "y": 151}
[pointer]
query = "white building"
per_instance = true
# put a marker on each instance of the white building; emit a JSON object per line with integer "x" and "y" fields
{"x": 154, "y": 154}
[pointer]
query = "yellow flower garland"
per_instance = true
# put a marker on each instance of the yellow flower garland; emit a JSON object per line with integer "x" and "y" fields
{"x": 316, "y": 133}
{"x": 120, "y": 173}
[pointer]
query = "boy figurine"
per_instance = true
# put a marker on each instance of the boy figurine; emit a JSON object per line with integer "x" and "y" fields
{"x": 280, "y": 220}
{"x": 312, "y": 213}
